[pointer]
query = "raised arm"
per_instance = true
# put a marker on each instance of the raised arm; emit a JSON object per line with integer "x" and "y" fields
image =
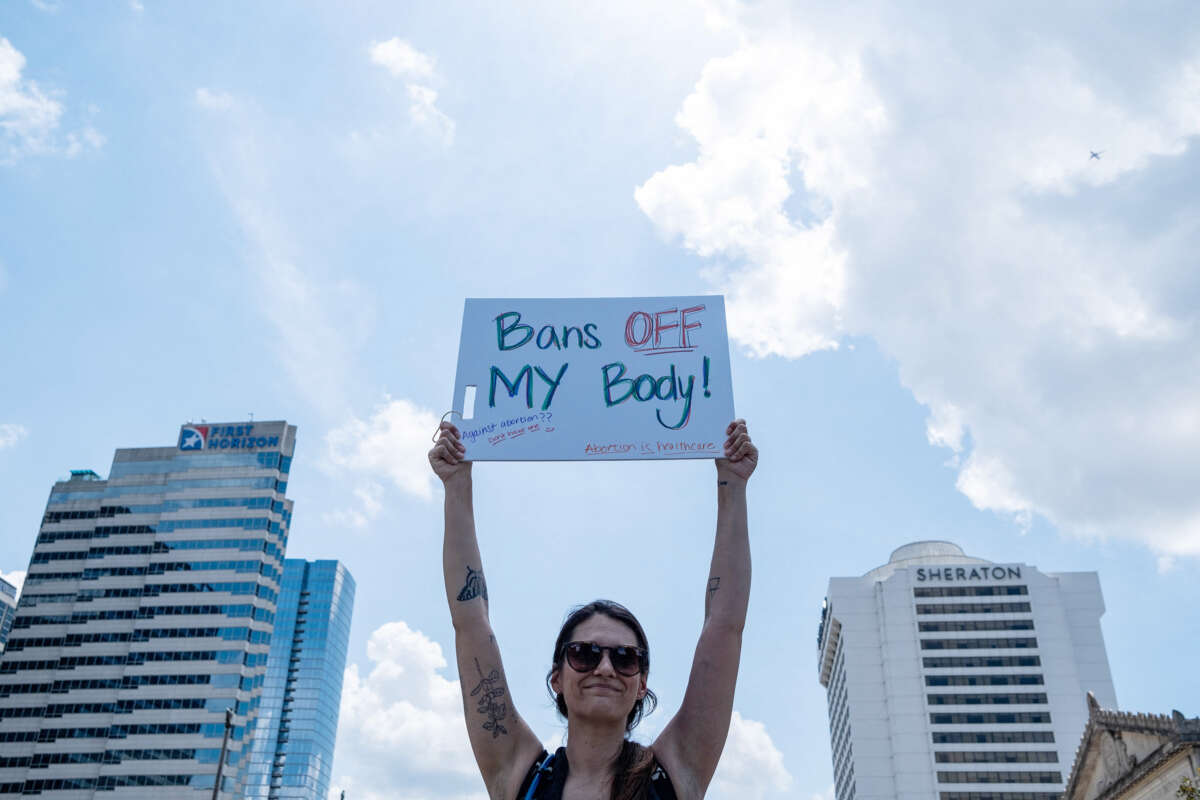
{"x": 691, "y": 743}
{"x": 503, "y": 744}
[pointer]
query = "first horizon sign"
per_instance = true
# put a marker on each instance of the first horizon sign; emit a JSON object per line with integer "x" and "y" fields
{"x": 593, "y": 378}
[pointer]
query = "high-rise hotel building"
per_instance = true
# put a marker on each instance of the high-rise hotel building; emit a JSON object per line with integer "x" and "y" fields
{"x": 292, "y": 752}
{"x": 147, "y": 612}
{"x": 956, "y": 678}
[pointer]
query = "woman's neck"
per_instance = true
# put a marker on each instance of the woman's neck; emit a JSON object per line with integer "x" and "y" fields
{"x": 592, "y": 750}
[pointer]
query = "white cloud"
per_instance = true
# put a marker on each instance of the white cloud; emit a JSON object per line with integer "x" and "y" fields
{"x": 828, "y": 794}
{"x": 990, "y": 484}
{"x": 16, "y": 578}
{"x": 86, "y": 138}
{"x": 426, "y": 115}
{"x": 214, "y": 100}
{"x": 416, "y": 69}
{"x": 30, "y": 117}
{"x": 751, "y": 767}
{"x": 809, "y": 110}
{"x": 370, "y": 503}
{"x": 402, "y": 60}
{"x": 393, "y": 443}
{"x": 319, "y": 321}
{"x": 11, "y": 433}
{"x": 401, "y": 733}
{"x": 320, "y": 317}
{"x": 892, "y": 173}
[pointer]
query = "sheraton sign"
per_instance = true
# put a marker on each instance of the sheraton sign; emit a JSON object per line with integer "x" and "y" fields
{"x": 991, "y": 573}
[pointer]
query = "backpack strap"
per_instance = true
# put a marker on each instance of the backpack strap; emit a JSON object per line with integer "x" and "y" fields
{"x": 661, "y": 787}
{"x": 543, "y": 767}
{"x": 542, "y": 775}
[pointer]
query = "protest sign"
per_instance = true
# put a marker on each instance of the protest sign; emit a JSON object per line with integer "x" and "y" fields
{"x": 588, "y": 379}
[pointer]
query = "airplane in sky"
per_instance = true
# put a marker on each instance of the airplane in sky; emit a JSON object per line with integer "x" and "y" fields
{"x": 1095, "y": 155}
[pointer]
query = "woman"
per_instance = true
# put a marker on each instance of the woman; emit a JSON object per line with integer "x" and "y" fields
{"x": 600, "y": 664}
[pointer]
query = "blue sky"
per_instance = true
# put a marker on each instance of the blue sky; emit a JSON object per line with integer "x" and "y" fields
{"x": 947, "y": 321}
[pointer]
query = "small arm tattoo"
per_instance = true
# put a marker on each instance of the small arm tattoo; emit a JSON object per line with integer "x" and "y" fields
{"x": 475, "y": 586}
{"x": 490, "y": 690}
{"x": 713, "y": 585}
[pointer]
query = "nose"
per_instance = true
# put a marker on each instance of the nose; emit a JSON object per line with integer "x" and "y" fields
{"x": 605, "y": 666}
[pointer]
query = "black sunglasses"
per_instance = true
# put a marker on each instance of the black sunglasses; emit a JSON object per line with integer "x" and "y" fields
{"x": 625, "y": 659}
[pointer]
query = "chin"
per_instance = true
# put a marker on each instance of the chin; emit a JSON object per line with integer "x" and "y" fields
{"x": 598, "y": 709}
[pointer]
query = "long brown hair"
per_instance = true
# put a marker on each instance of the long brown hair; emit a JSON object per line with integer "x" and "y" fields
{"x": 631, "y": 772}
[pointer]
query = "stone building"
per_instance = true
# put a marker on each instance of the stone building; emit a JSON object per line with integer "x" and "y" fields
{"x": 1125, "y": 756}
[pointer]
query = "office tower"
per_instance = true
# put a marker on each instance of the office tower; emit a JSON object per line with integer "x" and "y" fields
{"x": 292, "y": 752}
{"x": 8, "y": 609}
{"x": 956, "y": 678}
{"x": 146, "y": 613}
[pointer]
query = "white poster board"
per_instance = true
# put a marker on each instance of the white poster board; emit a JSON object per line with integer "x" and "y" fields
{"x": 593, "y": 379}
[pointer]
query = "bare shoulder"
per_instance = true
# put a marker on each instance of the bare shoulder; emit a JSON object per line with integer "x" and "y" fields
{"x": 668, "y": 754}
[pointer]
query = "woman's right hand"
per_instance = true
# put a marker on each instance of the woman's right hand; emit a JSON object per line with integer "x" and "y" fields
{"x": 448, "y": 456}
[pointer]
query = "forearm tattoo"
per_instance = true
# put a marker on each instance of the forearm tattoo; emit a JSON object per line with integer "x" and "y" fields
{"x": 475, "y": 586}
{"x": 490, "y": 690}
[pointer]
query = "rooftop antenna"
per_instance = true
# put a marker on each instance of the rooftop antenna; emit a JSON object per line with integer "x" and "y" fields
{"x": 252, "y": 416}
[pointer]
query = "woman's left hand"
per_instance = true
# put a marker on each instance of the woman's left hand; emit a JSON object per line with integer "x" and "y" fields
{"x": 741, "y": 456}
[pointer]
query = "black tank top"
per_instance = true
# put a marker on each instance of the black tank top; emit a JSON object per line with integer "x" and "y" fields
{"x": 554, "y": 777}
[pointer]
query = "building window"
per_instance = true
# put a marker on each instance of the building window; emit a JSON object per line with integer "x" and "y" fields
{"x": 998, "y": 757}
{"x": 993, "y": 737}
{"x": 946, "y": 662}
{"x": 984, "y": 680}
{"x": 1013, "y": 643}
{"x": 1000, "y": 796}
{"x": 999, "y": 777}
{"x": 974, "y": 608}
{"x": 976, "y": 625}
{"x": 1001, "y": 698}
{"x": 981, "y": 718}
{"x": 969, "y": 591}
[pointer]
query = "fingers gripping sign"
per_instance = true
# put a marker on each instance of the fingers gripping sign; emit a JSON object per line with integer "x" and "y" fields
{"x": 741, "y": 456}
{"x": 448, "y": 455}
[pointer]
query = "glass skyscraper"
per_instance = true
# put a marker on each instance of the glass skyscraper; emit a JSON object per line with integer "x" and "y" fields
{"x": 292, "y": 752}
{"x": 146, "y": 613}
{"x": 8, "y": 610}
